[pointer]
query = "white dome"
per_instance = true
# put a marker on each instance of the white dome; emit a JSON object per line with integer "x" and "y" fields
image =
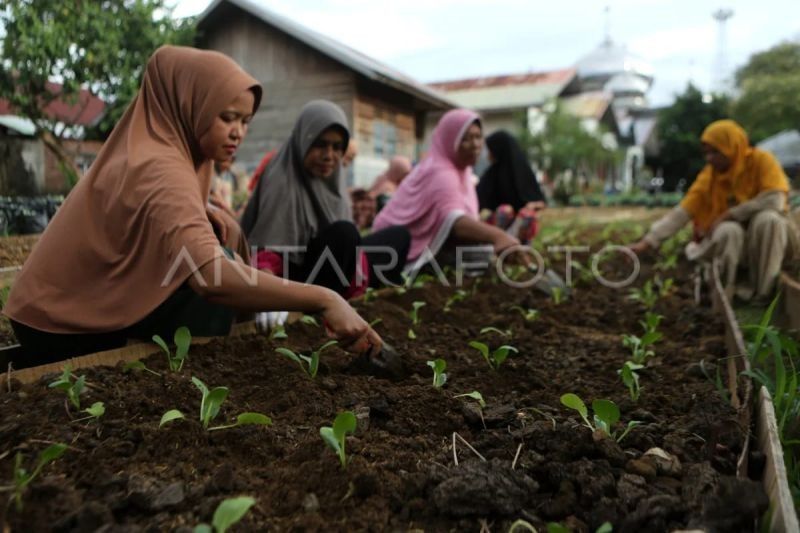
{"x": 610, "y": 59}
{"x": 627, "y": 83}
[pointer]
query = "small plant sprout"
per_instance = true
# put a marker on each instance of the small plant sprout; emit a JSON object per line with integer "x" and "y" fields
{"x": 209, "y": 409}
{"x": 646, "y": 295}
{"x": 97, "y": 410}
{"x": 458, "y": 296}
{"x": 375, "y": 322}
{"x": 308, "y": 363}
{"x": 278, "y": 333}
{"x": 475, "y": 395}
{"x": 138, "y": 366}
{"x": 73, "y": 389}
{"x": 21, "y": 476}
{"x": 640, "y": 346}
{"x": 228, "y": 513}
{"x": 182, "y": 339}
{"x": 309, "y": 320}
{"x": 557, "y": 295}
{"x": 606, "y": 414}
{"x": 494, "y": 358}
{"x": 651, "y": 322}
{"x": 664, "y": 286}
{"x": 492, "y": 329}
{"x": 415, "y": 319}
{"x": 630, "y": 377}
{"x": 439, "y": 377}
{"x": 528, "y": 314}
{"x": 369, "y": 295}
{"x": 334, "y": 436}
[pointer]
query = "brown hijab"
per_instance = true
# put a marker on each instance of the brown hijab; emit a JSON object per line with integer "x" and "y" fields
{"x": 135, "y": 227}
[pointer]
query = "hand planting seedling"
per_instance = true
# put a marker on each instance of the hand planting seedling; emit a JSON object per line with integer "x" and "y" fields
{"x": 646, "y": 295}
{"x": 72, "y": 389}
{"x": 494, "y": 358}
{"x": 228, "y": 513}
{"x": 415, "y": 319}
{"x": 630, "y": 377}
{"x": 182, "y": 339}
{"x": 492, "y": 329}
{"x": 138, "y": 366}
{"x": 209, "y": 409}
{"x": 308, "y": 363}
{"x": 334, "y": 436}
{"x": 439, "y": 377}
{"x": 458, "y": 296}
{"x": 528, "y": 314}
{"x": 21, "y": 476}
{"x": 606, "y": 414}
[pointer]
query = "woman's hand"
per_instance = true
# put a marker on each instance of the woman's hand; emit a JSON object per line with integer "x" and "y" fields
{"x": 640, "y": 247}
{"x": 346, "y": 326}
{"x": 502, "y": 241}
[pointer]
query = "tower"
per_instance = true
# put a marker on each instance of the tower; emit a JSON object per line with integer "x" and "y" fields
{"x": 720, "y": 80}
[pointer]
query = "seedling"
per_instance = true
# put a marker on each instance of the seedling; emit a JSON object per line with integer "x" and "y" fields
{"x": 458, "y": 296}
{"x": 606, "y": 414}
{"x": 664, "y": 286}
{"x": 278, "y": 332}
{"x": 475, "y": 395}
{"x": 309, "y": 320}
{"x": 308, "y": 363}
{"x": 639, "y": 346}
{"x": 646, "y": 295}
{"x": 555, "y": 527}
{"x": 334, "y": 436}
{"x": 182, "y": 339}
{"x": 369, "y": 295}
{"x": 528, "y": 314}
{"x": 557, "y": 294}
{"x": 439, "y": 377}
{"x": 415, "y": 319}
{"x": 494, "y": 358}
{"x": 492, "y": 329}
{"x": 630, "y": 377}
{"x": 21, "y": 476}
{"x": 375, "y": 322}
{"x": 228, "y": 513}
{"x": 97, "y": 410}
{"x": 138, "y": 366}
{"x": 650, "y": 324}
{"x": 209, "y": 409}
{"x": 73, "y": 389}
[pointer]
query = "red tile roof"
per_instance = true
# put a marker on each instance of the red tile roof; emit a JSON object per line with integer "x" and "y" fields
{"x": 86, "y": 111}
{"x": 530, "y": 78}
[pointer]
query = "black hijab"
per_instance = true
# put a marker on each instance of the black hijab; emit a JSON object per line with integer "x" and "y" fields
{"x": 510, "y": 179}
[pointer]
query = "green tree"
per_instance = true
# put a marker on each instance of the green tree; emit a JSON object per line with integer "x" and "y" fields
{"x": 563, "y": 143}
{"x": 101, "y": 46}
{"x": 769, "y": 85}
{"x": 679, "y": 128}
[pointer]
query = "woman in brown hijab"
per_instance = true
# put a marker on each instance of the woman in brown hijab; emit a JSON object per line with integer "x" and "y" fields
{"x": 132, "y": 252}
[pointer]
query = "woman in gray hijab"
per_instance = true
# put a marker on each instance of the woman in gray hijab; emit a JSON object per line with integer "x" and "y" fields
{"x": 301, "y": 208}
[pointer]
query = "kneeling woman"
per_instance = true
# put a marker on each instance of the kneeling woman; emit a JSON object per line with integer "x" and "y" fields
{"x": 437, "y": 202}
{"x": 132, "y": 252}
{"x": 301, "y": 208}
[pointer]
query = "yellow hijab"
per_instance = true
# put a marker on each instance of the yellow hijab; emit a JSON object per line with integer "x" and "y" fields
{"x": 752, "y": 171}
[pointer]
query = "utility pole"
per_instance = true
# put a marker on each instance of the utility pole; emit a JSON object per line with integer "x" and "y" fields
{"x": 720, "y": 80}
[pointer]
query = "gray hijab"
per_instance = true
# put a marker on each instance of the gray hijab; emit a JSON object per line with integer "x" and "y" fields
{"x": 289, "y": 207}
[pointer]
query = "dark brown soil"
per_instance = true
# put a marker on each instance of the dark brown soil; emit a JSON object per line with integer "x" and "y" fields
{"x": 126, "y": 474}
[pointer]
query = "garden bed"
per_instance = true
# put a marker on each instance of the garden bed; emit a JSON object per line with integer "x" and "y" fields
{"x": 541, "y": 465}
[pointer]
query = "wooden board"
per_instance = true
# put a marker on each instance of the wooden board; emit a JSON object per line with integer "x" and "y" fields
{"x": 784, "y": 518}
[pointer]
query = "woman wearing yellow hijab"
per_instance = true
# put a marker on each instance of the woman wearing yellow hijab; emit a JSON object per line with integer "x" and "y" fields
{"x": 737, "y": 204}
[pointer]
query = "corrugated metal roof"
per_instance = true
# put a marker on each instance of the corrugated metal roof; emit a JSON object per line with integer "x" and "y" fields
{"x": 87, "y": 111}
{"x": 508, "y": 92}
{"x": 353, "y": 59}
{"x": 587, "y": 105}
{"x": 21, "y": 125}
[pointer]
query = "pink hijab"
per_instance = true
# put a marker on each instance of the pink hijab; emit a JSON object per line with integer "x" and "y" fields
{"x": 435, "y": 188}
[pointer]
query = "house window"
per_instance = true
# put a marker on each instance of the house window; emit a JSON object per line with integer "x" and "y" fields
{"x": 384, "y": 138}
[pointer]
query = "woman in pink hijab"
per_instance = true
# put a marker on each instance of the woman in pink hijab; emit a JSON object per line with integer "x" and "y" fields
{"x": 437, "y": 202}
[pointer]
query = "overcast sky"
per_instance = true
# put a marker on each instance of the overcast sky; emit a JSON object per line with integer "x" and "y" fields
{"x": 435, "y": 40}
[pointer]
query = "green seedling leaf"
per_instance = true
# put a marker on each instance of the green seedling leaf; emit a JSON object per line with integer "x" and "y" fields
{"x": 459, "y": 295}
{"x": 309, "y": 320}
{"x": 169, "y": 416}
{"x": 521, "y": 525}
{"x": 278, "y": 332}
{"x": 411, "y": 334}
{"x": 630, "y": 378}
{"x": 375, "y": 322}
{"x": 439, "y": 377}
{"x": 21, "y": 476}
{"x": 651, "y": 337}
{"x": 247, "y": 419}
{"x": 483, "y": 349}
{"x": 492, "y": 329}
{"x": 72, "y": 389}
{"x": 605, "y": 527}
{"x": 475, "y": 395}
{"x": 501, "y": 354}
{"x": 183, "y": 339}
{"x": 554, "y": 527}
{"x": 158, "y": 340}
{"x": 138, "y": 366}
{"x": 334, "y": 436}
{"x": 632, "y": 424}
{"x": 97, "y": 410}
{"x": 573, "y": 401}
{"x": 231, "y": 511}
{"x": 606, "y": 414}
{"x": 414, "y": 314}
{"x": 528, "y": 314}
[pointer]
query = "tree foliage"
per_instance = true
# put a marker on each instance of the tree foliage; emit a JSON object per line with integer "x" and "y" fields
{"x": 101, "y": 46}
{"x": 769, "y": 83}
{"x": 679, "y": 128}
